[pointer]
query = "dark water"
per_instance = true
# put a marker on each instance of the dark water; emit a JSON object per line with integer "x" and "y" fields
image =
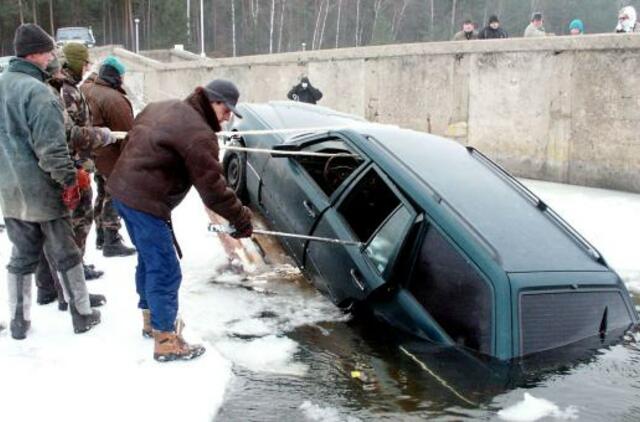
{"x": 401, "y": 379}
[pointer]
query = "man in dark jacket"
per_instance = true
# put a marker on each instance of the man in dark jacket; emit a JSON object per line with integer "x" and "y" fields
{"x": 305, "y": 92}
{"x": 109, "y": 108}
{"x": 38, "y": 183}
{"x": 172, "y": 146}
{"x": 493, "y": 30}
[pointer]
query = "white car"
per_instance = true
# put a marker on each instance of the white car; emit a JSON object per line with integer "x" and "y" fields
{"x": 79, "y": 34}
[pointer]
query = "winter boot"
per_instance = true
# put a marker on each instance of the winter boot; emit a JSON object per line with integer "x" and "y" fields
{"x": 44, "y": 297}
{"x": 99, "y": 238}
{"x": 90, "y": 272}
{"x": 147, "y": 331}
{"x": 83, "y": 317}
{"x": 171, "y": 346}
{"x": 19, "y": 304}
{"x": 113, "y": 245}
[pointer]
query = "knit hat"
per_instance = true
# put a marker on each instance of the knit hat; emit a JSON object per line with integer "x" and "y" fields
{"x": 577, "y": 24}
{"x": 225, "y": 92}
{"x": 114, "y": 63}
{"x": 31, "y": 39}
{"x": 77, "y": 55}
{"x": 536, "y": 16}
{"x": 493, "y": 19}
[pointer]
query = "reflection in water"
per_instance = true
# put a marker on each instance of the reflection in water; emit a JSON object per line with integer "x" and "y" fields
{"x": 366, "y": 371}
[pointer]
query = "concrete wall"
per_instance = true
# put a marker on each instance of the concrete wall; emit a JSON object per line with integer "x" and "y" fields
{"x": 563, "y": 109}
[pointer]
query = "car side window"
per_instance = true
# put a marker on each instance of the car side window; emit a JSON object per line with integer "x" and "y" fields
{"x": 329, "y": 172}
{"x": 368, "y": 205}
{"x": 385, "y": 242}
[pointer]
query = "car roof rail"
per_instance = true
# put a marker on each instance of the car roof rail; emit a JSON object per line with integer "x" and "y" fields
{"x": 540, "y": 205}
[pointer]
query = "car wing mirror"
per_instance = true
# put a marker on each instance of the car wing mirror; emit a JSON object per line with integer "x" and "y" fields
{"x": 283, "y": 148}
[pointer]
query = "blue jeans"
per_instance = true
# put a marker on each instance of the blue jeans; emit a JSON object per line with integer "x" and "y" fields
{"x": 158, "y": 274}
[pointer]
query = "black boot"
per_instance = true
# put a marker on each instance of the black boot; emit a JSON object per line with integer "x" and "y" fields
{"x": 90, "y": 273}
{"x": 83, "y": 323}
{"x": 19, "y": 304}
{"x": 113, "y": 245}
{"x": 99, "y": 238}
{"x": 45, "y": 297}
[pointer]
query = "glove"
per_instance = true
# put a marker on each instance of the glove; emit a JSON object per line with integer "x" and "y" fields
{"x": 243, "y": 226}
{"x": 106, "y": 136}
{"x": 71, "y": 196}
{"x": 84, "y": 181}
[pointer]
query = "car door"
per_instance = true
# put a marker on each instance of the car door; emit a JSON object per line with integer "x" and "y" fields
{"x": 294, "y": 191}
{"x": 371, "y": 211}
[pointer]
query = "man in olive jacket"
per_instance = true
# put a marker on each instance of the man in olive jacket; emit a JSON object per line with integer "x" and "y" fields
{"x": 173, "y": 146}
{"x": 38, "y": 183}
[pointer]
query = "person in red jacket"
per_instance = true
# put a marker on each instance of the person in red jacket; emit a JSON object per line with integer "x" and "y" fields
{"x": 172, "y": 146}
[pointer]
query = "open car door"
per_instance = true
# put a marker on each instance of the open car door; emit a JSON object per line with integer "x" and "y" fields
{"x": 371, "y": 211}
{"x": 297, "y": 189}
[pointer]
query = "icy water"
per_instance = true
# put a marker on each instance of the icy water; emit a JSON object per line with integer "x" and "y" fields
{"x": 297, "y": 358}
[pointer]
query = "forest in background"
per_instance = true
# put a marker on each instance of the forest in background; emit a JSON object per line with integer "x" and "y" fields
{"x": 245, "y": 27}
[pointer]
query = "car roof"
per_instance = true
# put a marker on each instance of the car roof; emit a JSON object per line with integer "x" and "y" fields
{"x": 526, "y": 238}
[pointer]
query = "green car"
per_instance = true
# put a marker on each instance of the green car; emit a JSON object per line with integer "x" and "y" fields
{"x": 443, "y": 243}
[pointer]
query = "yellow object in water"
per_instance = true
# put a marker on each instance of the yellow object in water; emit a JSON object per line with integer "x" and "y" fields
{"x": 356, "y": 374}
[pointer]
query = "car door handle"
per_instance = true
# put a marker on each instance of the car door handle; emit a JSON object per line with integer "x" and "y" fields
{"x": 355, "y": 276}
{"x": 309, "y": 207}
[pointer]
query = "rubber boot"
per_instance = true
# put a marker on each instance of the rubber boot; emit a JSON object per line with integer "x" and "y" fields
{"x": 170, "y": 346}
{"x": 113, "y": 245}
{"x": 19, "y": 304}
{"x": 90, "y": 272}
{"x": 83, "y": 317}
{"x": 147, "y": 331}
{"x": 99, "y": 238}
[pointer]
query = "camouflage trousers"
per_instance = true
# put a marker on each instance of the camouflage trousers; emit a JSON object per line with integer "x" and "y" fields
{"x": 81, "y": 219}
{"x": 105, "y": 214}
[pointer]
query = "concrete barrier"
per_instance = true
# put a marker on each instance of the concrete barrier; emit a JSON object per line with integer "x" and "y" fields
{"x": 562, "y": 109}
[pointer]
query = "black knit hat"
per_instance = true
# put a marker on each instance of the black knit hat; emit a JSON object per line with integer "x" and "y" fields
{"x": 225, "y": 92}
{"x": 31, "y": 39}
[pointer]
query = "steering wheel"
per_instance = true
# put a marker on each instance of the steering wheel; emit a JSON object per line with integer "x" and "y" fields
{"x": 335, "y": 173}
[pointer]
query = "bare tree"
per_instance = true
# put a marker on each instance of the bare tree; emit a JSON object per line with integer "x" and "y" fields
{"x": 324, "y": 23}
{"x": 338, "y": 24}
{"x": 283, "y": 6}
{"x": 316, "y": 29}
{"x": 357, "y": 23}
{"x": 35, "y": 11}
{"x": 21, "y": 12}
{"x": 51, "y": 16}
{"x": 273, "y": 13}
{"x": 233, "y": 26}
{"x": 454, "y": 3}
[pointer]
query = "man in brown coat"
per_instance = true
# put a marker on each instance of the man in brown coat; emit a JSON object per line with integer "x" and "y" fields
{"x": 109, "y": 108}
{"x": 173, "y": 146}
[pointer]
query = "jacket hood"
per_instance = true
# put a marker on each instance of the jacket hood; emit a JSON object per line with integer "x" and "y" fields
{"x": 628, "y": 24}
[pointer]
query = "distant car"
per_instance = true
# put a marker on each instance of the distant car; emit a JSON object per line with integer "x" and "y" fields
{"x": 78, "y": 34}
{"x": 453, "y": 248}
{"x": 4, "y": 63}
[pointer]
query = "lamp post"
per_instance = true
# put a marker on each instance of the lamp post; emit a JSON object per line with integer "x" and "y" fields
{"x": 202, "y": 28}
{"x": 137, "y": 21}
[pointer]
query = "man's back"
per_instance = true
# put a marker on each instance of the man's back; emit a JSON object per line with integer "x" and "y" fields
{"x": 34, "y": 159}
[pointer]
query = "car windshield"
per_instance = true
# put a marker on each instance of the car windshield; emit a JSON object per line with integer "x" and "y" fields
{"x": 73, "y": 34}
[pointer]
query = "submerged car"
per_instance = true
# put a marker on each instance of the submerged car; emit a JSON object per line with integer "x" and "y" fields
{"x": 440, "y": 241}
{"x": 77, "y": 34}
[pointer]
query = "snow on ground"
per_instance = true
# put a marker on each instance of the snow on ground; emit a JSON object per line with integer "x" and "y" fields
{"x": 109, "y": 373}
{"x": 608, "y": 219}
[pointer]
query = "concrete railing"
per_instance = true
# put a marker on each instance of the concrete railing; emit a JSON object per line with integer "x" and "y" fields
{"x": 563, "y": 109}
